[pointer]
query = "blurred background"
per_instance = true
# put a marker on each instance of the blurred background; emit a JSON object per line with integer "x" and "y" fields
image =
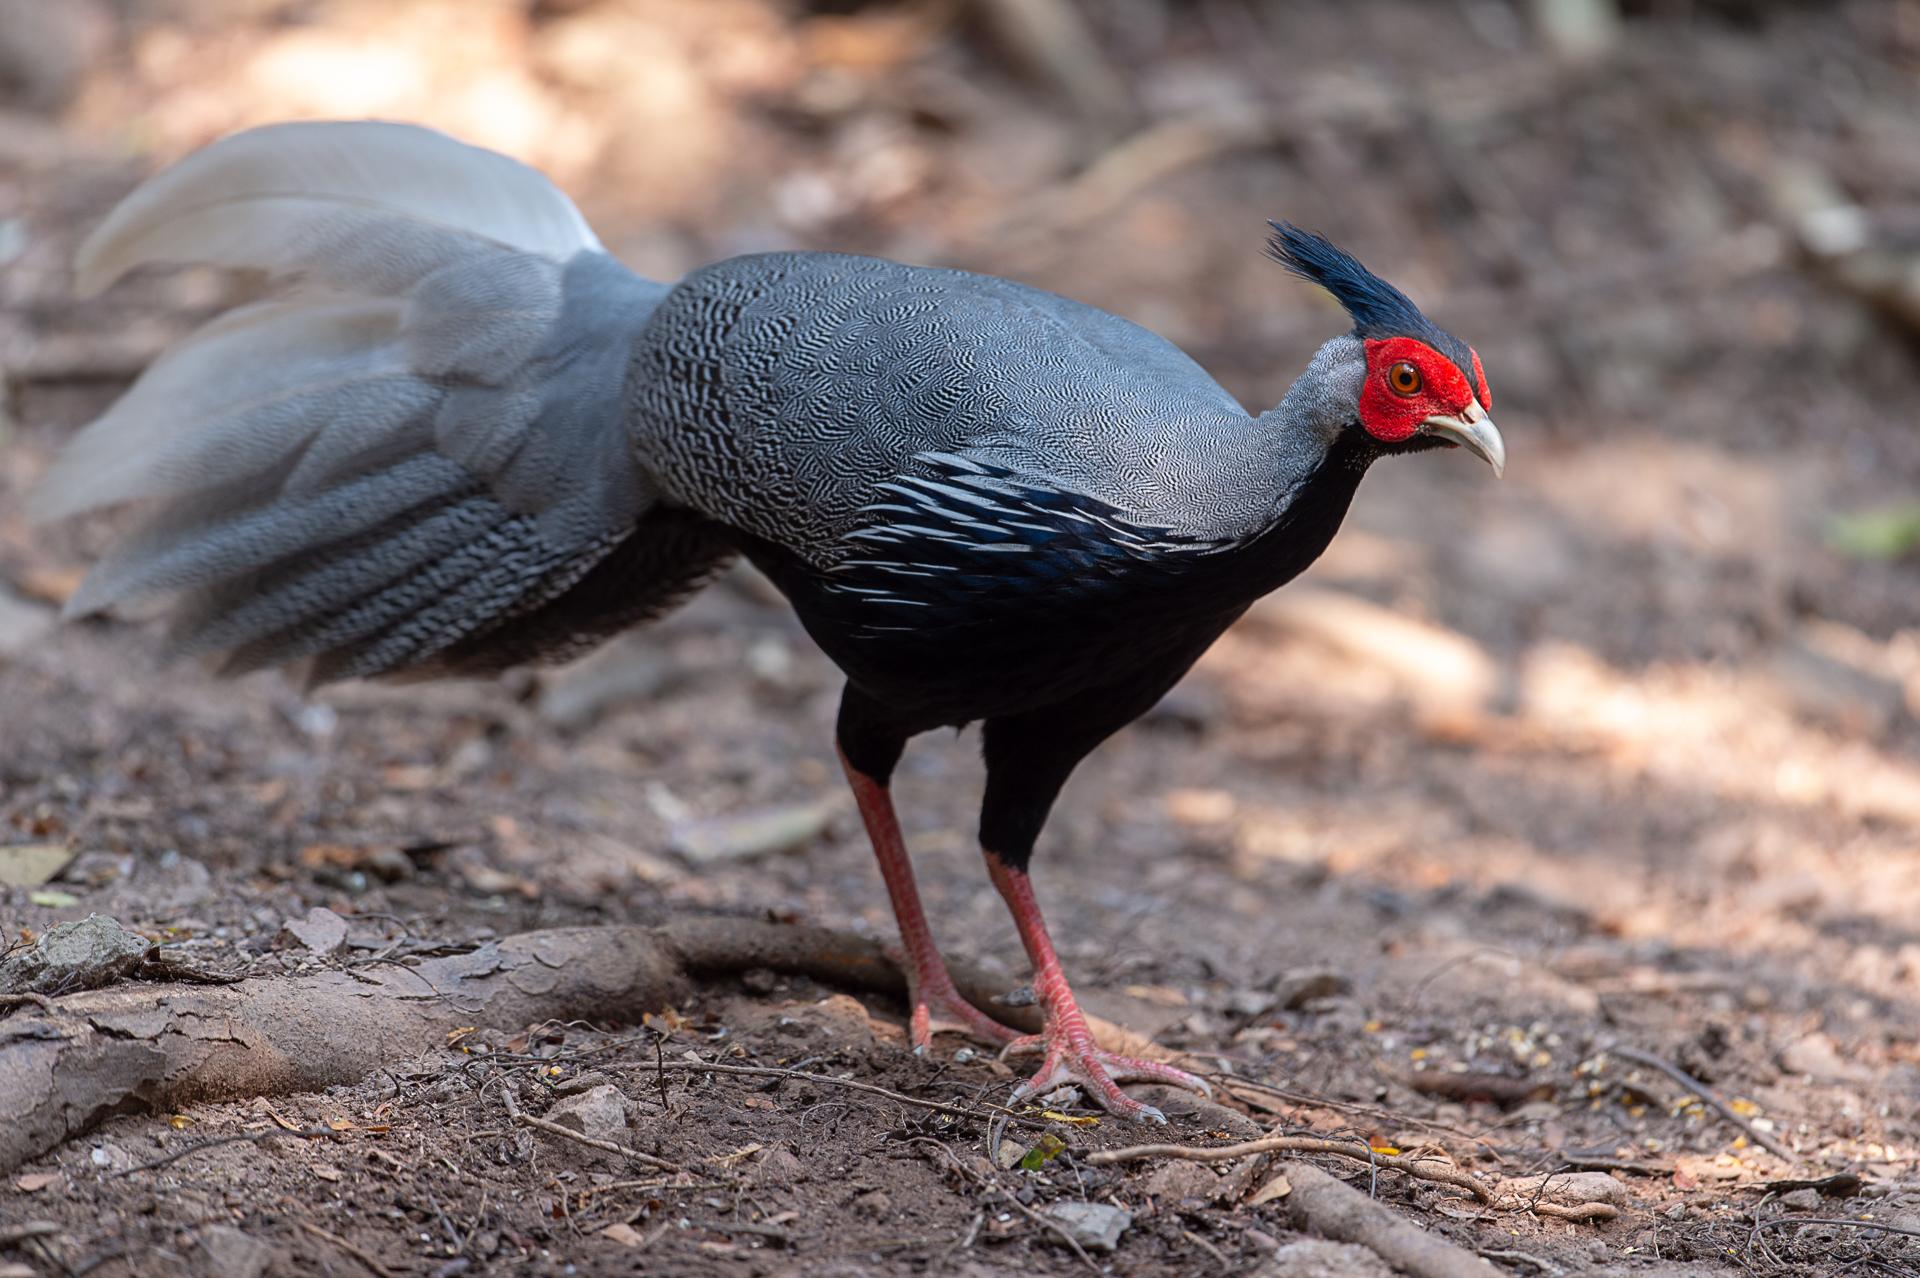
{"x": 1646, "y": 707}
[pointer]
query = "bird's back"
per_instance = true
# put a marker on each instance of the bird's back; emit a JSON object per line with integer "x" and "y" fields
{"x": 776, "y": 392}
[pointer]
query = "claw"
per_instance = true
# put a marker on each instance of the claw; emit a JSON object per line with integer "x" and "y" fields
{"x": 1071, "y": 1058}
{"x": 938, "y": 1008}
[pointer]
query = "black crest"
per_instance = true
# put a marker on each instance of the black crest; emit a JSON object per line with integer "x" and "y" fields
{"x": 1377, "y": 307}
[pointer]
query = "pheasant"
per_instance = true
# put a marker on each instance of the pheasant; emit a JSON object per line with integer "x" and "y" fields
{"x": 464, "y": 437}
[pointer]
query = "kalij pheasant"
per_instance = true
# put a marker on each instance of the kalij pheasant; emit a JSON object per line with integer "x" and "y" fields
{"x": 465, "y": 437}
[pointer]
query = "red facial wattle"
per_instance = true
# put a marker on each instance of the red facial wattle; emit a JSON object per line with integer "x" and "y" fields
{"x": 1390, "y": 414}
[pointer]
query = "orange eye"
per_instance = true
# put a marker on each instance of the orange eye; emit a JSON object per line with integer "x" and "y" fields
{"x": 1404, "y": 379}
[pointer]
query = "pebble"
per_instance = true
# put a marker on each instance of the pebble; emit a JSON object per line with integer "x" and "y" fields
{"x": 321, "y": 931}
{"x": 234, "y": 1254}
{"x": 599, "y": 1112}
{"x": 1095, "y": 1226}
{"x": 1315, "y": 1258}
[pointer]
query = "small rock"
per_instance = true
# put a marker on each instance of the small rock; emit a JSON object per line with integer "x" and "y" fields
{"x": 1815, "y": 1055}
{"x": 1801, "y": 1200}
{"x": 1010, "y": 1153}
{"x": 110, "y": 1156}
{"x": 321, "y": 931}
{"x": 81, "y": 955}
{"x": 1296, "y": 987}
{"x": 233, "y": 1254}
{"x": 1171, "y": 1182}
{"x": 1313, "y": 1258}
{"x": 1095, "y": 1226}
{"x": 1569, "y": 1188}
{"x": 1179, "y": 1105}
{"x": 743, "y": 836}
{"x": 23, "y": 624}
{"x": 874, "y": 1203}
{"x": 599, "y": 1112}
{"x": 778, "y": 1167}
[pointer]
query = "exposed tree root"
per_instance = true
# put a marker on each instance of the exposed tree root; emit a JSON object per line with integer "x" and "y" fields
{"x": 1329, "y": 1207}
{"x": 147, "y": 1047}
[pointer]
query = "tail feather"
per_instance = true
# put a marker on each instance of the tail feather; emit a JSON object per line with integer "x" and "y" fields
{"x": 422, "y": 444}
{"x": 322, "y": 592}
{"x": 168, "y": 557}
{"x": 364, "y": 206}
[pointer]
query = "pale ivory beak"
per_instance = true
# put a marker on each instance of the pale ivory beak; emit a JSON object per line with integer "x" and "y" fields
{"x": 1474, "y": 431}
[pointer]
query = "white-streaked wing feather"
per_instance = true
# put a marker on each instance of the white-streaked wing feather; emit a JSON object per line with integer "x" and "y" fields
{"x": 369, "y": 206}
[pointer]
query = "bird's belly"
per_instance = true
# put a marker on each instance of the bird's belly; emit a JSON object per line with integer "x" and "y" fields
{"x": 1009, "y": 657}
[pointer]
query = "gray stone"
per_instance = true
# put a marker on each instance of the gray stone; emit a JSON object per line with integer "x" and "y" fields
{"x": 1314, "y": 1258}
{"x": 1095, "y": 1226}
{"x": 81, "y": 955}
{"x": 233, "y": 1254}
{"x": 1816, "y": 1055}
{"x": 599, "y": 1112}
{"x": 1296, "y": 987}
{"x": 321, "y": 931}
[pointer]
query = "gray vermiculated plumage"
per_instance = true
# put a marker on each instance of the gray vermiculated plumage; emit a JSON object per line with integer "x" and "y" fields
{"x": 467, "y": 437}
{"x": 775, "y": 392}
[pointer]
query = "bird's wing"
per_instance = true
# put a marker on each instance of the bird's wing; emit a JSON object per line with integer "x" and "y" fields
{"x": 959, "y": 541}
{"x": 779, "y": 394}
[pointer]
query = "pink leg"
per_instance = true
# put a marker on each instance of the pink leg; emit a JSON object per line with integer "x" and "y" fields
{"x": 1069, "y": 1054}
{"x": 937, "y": 1005}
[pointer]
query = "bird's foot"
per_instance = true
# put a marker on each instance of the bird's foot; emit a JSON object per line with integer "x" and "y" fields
{"x": 938, "y": 1008}
{"x": 1070, "y": 1056}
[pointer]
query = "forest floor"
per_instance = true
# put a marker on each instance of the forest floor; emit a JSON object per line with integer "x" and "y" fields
{"x": 1621, "y": 753}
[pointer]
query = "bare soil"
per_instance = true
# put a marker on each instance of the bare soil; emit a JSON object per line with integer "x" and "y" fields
{"x": 1620, "y": 752}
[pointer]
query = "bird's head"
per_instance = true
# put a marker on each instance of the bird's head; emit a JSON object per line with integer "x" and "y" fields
{"x": 1422, "y": 387}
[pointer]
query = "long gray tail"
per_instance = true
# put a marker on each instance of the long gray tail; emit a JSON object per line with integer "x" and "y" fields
{"x": 415, "y": 460}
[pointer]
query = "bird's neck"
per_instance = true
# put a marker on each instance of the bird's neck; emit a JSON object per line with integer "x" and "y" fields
{"x": 1311, "y": 476}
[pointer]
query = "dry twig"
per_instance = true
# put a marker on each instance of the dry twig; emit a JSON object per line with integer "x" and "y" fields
{"x": 1708, "y": 1097}
{"x": 852, "y": 1084}
{"x": 581, "y": 1138}
{"x": 1418, "y": 1168}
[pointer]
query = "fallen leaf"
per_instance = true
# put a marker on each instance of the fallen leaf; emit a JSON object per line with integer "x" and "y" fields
{"x": 179, "y": 1122}
{"x": 1388, "y": 1150}
{"x": 53, "y": 899}
{"x": 455, "y": 1035}
{"x": 1278, "y": 1187}
{"x": 745, "y": 835}
{"x": 31, "y": 864}
{"x": 1044, "y": 1151}
{"x": 1077, "y": 1120}
{"x": 624, "y": 1234}
{"x": 34, "y": 1182}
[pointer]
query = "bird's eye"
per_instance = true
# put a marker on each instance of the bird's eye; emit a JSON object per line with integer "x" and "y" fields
{"x": 1404, "y": 378}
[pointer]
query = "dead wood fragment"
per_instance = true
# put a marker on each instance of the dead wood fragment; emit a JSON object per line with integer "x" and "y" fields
{"x": 1419, "y": 1168}
{"x": 1329, "y": 1207}
{"x": 146, "y": 1047}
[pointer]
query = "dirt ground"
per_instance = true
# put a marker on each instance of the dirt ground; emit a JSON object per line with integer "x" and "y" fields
{"x": 1620, "y": 753}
